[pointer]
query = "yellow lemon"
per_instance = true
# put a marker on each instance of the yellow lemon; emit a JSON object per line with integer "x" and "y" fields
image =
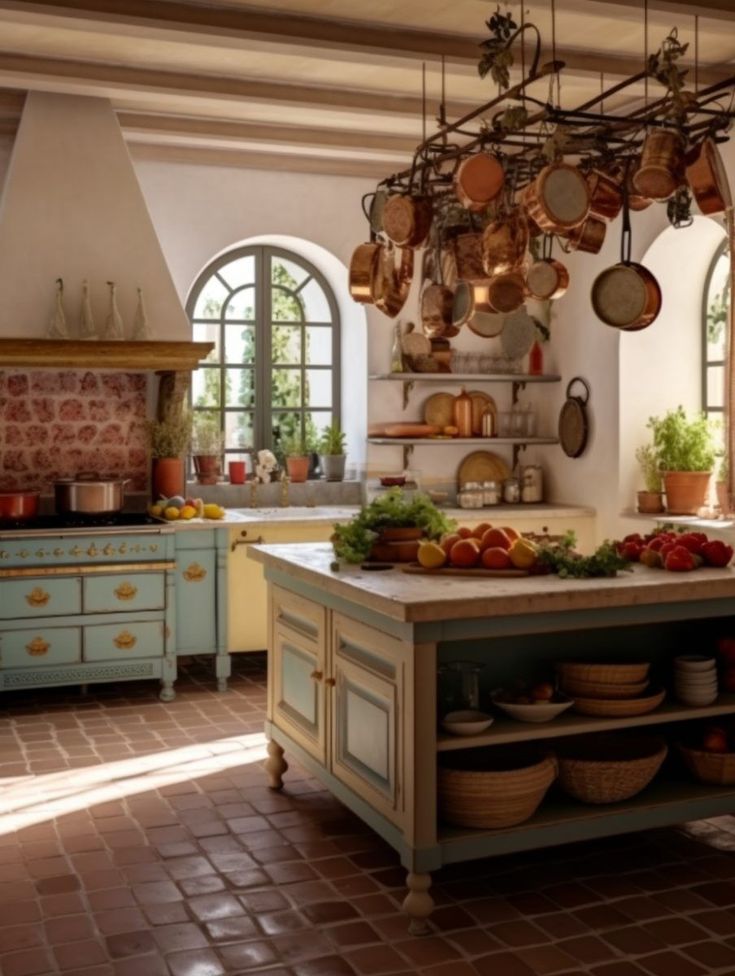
{"x": 171, "y": 513}
{"x": 522, "y": 554}
{"x": 212, "y": 511}
{"x": 431, "y": 555}
{"x": 155, "y": 510}
{"x": 188, "y": 512}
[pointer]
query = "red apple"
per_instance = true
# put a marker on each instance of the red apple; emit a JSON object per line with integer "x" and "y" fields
{"x": 544, "y": 691}
{"x": 727, "y": 681}
{"x": 726, "y": 650}
{"x": 715, "y": 740}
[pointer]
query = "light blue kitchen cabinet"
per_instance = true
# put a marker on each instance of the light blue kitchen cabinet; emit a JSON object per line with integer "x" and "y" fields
{"x": 201, "y": 596}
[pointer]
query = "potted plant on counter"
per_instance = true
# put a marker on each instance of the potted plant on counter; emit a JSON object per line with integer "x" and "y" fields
{"x": 685, "y": 451}
{"x": 297, "y": 449}
{"x": 168, "y": 440}
{"x": 650, "y": 501}
{"x": 207, "y": 444}
{"x": 332, "y": 453}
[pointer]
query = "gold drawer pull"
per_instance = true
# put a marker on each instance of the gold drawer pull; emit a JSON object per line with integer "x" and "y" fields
{"x": 194, "y": 573}
{"x": 126, "y": 591}
{"x": 244, "y": 541}
{"x": 330, "y": 682}
{"x": 38, "y": 647}
{"x": 37, "y": 597}
{"x": 317, "y": 675}
{"x": 125, "y": 640}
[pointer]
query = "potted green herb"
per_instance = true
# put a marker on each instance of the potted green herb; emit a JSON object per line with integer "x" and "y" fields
{"x": 685, "y": 451}
{"x": 207, "y": 445}
{"x": 332, "y": 453}
{"x": 168, "y": 440}
{"x": 297, "y": 450}
{"x": 650, "y": 501}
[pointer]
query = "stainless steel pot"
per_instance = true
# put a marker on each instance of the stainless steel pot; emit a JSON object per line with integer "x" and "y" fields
{"x": 89, "y": 495}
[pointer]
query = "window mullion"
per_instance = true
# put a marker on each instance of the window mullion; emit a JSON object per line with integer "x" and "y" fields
{"x": 264, "y": 347}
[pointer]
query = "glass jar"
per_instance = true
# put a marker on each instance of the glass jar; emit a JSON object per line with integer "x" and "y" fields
{"x": 511, "y": 491}
{"x": 488, "y": 423}
{"x": 532, "y": 483}
{"x": 471, "y": 495}
{"x": 492, "y": 493}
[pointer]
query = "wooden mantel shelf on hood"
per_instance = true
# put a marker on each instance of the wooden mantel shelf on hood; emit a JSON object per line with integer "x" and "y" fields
{"x": 94, "y": 354}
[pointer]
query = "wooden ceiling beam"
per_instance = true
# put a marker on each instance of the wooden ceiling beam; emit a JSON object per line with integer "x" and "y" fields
{"x": 706, "y": 9}
{"x": 205, "y": 23}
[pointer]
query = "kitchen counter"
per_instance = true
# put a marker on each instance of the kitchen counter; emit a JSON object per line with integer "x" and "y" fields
{"x": 427, "y": 598}
{"x": 356, "y": 659}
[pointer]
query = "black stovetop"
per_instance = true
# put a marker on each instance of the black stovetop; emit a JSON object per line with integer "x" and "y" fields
{"x": 113, "y": 520}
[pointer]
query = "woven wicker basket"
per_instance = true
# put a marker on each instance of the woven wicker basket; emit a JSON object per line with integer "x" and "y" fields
{"x": 606, "y": 673}
{"x": 618, "y": 708}
{"x": 717, "y": 768}
{"x": 609, "y": 768}
{"x": 600, "y": 689}
{"x": 493, "y": 788}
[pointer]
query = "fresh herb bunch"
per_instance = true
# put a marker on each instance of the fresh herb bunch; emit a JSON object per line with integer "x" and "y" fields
{"x": 354, "y": 540}
{"x": 497, "y": 57}
{"x": 663, "y": 67}
{"x": 568, "y": 564}
{"x": 682, "y": 444}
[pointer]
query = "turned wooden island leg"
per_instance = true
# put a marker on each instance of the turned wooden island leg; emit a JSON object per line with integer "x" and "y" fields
{"x": 418, "y": 903}
{"x": 275, "y": 765}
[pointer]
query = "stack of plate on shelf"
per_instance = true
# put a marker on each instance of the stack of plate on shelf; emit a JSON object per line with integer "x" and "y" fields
{"x": 695, "y": 679}
{"x": 613, "y": 690}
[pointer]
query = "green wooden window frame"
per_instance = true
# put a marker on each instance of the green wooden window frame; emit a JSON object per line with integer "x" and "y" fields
{"x": 257, "y": 382}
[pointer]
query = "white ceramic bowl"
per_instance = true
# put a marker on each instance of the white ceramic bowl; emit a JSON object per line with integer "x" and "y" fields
{"x": 535, "y": 712}
{"x": 694, "y": 664}
{"x": 696, "y": 684}
{"x": 466, "y": 722}
{"x": 697, "y": 699}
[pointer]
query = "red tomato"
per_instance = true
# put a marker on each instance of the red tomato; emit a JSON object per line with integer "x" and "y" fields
{"x": 717, "y": 553}
{"x": 679, "y": 560}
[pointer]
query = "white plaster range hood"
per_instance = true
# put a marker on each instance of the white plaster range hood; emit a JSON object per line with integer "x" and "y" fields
{"x": 72, "y": 208}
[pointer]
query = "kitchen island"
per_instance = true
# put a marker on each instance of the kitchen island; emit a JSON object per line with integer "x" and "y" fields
{"x": 352, "y": 690}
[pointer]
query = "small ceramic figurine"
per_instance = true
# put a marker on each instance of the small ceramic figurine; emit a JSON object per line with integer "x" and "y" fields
{"x": 141, "y": 330}
{"x": 57, "y": 328}
{"x": 114, "y": 328}
{"x": 265, "y": 467}
{"x": 86, "y": 319}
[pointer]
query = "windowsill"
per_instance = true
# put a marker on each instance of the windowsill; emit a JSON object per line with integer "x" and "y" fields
{"x": 726, "y": 524}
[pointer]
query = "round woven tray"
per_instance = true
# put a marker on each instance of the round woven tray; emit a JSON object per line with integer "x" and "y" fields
{"x": 602, "y": 689}
{"x": 618, "y": 708}
{"x": 607, "y": 673}
{"x": 498, "y": 796}
{"x": 709, "y": 767}
{"x": 609, "y": 768}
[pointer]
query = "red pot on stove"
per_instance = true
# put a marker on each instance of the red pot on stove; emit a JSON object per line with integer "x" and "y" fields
{"x": 18, "y": 505}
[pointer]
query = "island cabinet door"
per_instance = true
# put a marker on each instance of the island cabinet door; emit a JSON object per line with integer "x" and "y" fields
{"x": 367, "y": 714}
{"x": 296, "y": 676}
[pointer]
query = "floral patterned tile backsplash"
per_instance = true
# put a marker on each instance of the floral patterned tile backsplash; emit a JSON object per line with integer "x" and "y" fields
{"x": 58, "y": 423}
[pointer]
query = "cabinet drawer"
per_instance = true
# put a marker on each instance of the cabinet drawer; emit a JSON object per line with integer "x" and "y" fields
{"x": 108, "y": 642}
{"x": 42, "y": 645}
{"x": 301, "y": 616}
{"x": 124, "y": 591}
{"x": 40, "y": 597}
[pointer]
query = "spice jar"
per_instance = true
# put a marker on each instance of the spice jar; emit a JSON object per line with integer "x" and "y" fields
{"x": 463, "y": 414}
{"x": 511, "y": 491}
{"x": 532, "y": 483}
{"x": 492, "y": 493}
{"x": 488, "y": 423}
{"x": 470, "y": 495}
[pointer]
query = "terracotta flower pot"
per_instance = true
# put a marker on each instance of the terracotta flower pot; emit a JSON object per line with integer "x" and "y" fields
{"x": 207, "y": 468}
{"x": 650, "y": 502}
{"x": 167, "y": 478}
{"x": 298, "y": 468}
{"x": 722, "y": 500}
{"x": 686, "y": 491}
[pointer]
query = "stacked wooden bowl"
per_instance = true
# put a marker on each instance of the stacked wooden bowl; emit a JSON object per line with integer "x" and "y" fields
{"x": 611, "y": 690}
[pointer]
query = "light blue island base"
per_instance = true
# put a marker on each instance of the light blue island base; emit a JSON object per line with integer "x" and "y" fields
{"x": 352, "y": 692}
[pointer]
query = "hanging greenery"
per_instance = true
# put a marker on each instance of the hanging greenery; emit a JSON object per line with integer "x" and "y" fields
{"x": 497, "y": 57}
{"x": 663, "y": 67}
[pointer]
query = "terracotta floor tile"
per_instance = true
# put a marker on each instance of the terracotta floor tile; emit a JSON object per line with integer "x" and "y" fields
{"x": 587, "y": 949}
{"x": 14, "y": 937}
{"x": 152, "y": 965}
{"x": 130, "y": 943}
{"x": 600, "y": 917}
{"x": 670, "y": 964}
{"x": 156, "y": 892}
{"x": 322, "y": 913}
{"x": 76, "y": 955}
{"x": 677, "y": 931}
{"x": 29, "y": 962}
{"x": 207, "y": 907}
{"x": 166, "y": 914}
{"x": 517, "y": 933}
{"x": 69, "y": 928}
{"x": 267, "y": 900}
{"x": 352, "y": 934}
{"x": 325, "y": 966}
{"x": 618, "y": 969}
{"x": 57, "y": 885}
{"x": 718, "y": 921}
{"x": 712, "y": 954}
{"x": 232, "y": 929}
{"x": 426, "y": 950}
{"x": 501, "y": 962}
{"x": 546, "y": 959}
{"x": 120, "y": 920}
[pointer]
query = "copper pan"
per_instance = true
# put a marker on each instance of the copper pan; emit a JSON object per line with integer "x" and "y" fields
{"x": 623, "y": 175}
{"x": 396, "y": 273}
{"x": 626, "y": 296}
{"x": 478, "y": 181}
{"x": 436, "y": 310}
{"x": 661, "y": 171}
{"x": 506, "y": 292}
{"x": 606, "y": 198}
{"x": 707, "y": 178}
{"x": 407, "y": 219}
{"x": 547, "y": 280}
{"x": 558, "y": 199}
{"x": 589, "y": 236}
{"x": 467, "y": 252}
{"x": 365, "y": 269}
{"x": 504, "y": 244}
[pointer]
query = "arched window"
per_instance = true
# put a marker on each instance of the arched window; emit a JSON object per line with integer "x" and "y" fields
{"x": 274, "y": 371}
{"x": 715, "y": 317}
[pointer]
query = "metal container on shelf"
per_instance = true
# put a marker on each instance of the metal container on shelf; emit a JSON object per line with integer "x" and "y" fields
{"x": 492, "y": 493}
{"x": 511, "y": 491}
{"x": 532, "y": 483}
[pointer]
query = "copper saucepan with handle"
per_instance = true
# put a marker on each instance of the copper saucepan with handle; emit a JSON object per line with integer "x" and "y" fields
{"x": 504, "y": 244}
{"x": 707, "y": 178}
{"x": 407, "y": 219}
{"x": 394, "y": 277}
{"x": 364, "y": 276}
{"x": 547, "y": 279}
{"x": 661, "y": 169}
{"x": 478, "y": 181}
{"x": 558, "y": 199}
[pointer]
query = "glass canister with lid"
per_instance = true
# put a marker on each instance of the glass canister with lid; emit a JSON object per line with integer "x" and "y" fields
{"x": 471, "y": 495}
{"x": 492, "y": 492}
{"x": 511, "y": 491}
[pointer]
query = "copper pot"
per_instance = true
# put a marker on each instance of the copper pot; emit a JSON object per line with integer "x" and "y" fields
{"x": 506, "y": 292}
{"x": 436, "y": 310}
{"x": 606, "y": 198}
{"x": 394, "y": 280}
{"x": 558, "y": 199}
{"x": 365, "y": 272}
{"x": 625, "y": 175}
{"x": 707, "y": 178}
{"x": 589, "y": 236}
{"x": 407, "y": 219}
{"x": 661, "y": 171}
{"x": 547, "y": 280}
{"x": 504, "y": 244}
{"x": 626, "y": 296}
{"x": 467, "y": 252}
{"x": 478, "y": 181}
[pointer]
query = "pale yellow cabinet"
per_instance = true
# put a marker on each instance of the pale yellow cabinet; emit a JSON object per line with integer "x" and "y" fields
{"x": 247, "y": 597}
